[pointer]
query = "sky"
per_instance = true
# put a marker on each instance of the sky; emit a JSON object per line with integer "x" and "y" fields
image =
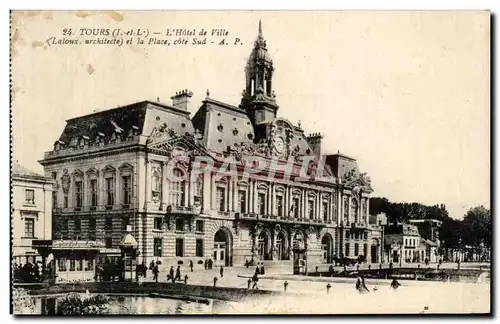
{"x": 406, "y": 93}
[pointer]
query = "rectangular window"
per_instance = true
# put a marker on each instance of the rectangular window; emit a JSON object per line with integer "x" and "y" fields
{"x": 242, "y": 201}
{"x": 158, "y": 243}
{"x": 125, "y": 222}
{"x": 261, "y": 203}
{"x": 110, "y": 191}
{"x": 279, "y": 205}
{"x": 108, "y": 224}
{"x": 79, "y": 265}
{"x": 78, "y": 225}
{"x": 310, "y": 207}
{"x": 30, "y": 196}
{"x": 127, "y": 190}
{"x": 78, "y": 194}
{"x": 200, "y": 226}
{"x": 179, "y": 225}
{"x": 347, "y": 248}
{"x": 356, "y": 249}
{"x": 406, "y": 242}
{"x": 72, "y": 264}
{"x": 325, "y": 211}
{"x": 158, "y": 223}
{"x": 64, "y": 228}
{"x": 29, "y": 227}
{"x": 93, "y": 192}
{"x": 108, "y": 242}
{"x": 92, "y": 229}
{"x": 89, "y": 265}
{"x": 221, "y": 199}
{"x": 54, "y": 199}
{"x": 199, "y": 247}
{"x": 347, "y": 235}
{"x": 179, "y": 247}
{"x": 61, "y": 264}
{"x": 365, "y": 250}
{"x": 296, "y": 207}
{"x": 365, "y": 236}
{"x": 54, "y": 175}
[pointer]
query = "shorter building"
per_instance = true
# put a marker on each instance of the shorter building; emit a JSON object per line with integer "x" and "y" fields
{"x": 431, "y": 250}
{"x": 31, "y": 212}
{"x": 403, "y": 243}
{"x": 428, "y": 228}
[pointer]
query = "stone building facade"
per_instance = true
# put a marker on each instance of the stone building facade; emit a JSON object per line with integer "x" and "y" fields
{"x": 134, "y": 165}
{"x": 31, "y": 217}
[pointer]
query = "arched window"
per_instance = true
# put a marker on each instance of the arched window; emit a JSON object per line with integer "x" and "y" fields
{"x": 156, "y": 186}
{"x": 177, "y": 187}
{"x": 354, "y": 210}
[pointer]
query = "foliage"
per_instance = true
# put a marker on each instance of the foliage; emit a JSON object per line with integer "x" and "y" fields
{"x": 79, "y": 304}
{"x": 475, "y": 228}
{"x": 22, "y": 302}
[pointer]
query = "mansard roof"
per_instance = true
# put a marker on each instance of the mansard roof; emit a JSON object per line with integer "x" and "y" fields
{"x": 222, "y": 125}
{"x": 135, "y": 119}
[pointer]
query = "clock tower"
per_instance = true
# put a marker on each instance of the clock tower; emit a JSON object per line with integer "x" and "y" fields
{"x": 258, "y": 98}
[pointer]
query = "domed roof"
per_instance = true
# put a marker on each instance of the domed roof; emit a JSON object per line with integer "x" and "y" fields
{"x": 128, "y": 240}
{"x": 259, "y": 52}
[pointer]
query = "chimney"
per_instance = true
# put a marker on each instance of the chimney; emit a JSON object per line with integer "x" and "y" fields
{"x": 314, "y": 141}
{"x": 181, "y": 99}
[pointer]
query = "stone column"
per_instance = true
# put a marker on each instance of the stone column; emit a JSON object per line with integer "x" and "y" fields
{"x": 164, "y": 185}
{"x": 206, "y": 192}
{"x": 273, "y": 245}
{"x": 213, "y": 191}
{"x": 320, "y": 206}
{"x": 235, "y": 195}
{"x": 273, "y": 200}
{"x": 250, "y": 196}
{"x": 148, "y": 182}
{"x": 230, "y": 195}
{"x": 255, "y": 193}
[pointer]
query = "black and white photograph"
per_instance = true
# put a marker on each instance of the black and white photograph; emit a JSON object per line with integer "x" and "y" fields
{"x": 250, "y": 162}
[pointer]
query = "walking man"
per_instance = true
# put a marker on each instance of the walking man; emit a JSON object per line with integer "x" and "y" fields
{"x": 221, "y": 271}
{"x": 178, "y": 273}
{"x": 171, "y": 274}
{"x": 191, "y": 265}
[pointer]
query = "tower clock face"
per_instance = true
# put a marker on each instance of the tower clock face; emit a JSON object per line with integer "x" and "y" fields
{"x": 279, "y": 144}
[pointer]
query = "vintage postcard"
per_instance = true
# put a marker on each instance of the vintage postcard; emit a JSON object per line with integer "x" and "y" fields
{"x": 250, "y": 162}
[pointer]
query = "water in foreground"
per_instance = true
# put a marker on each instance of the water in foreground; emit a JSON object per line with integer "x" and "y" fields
{"x": 342, "y": 299}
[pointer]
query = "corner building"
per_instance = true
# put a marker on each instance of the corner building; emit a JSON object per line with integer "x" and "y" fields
{"x": 112, "y": 169}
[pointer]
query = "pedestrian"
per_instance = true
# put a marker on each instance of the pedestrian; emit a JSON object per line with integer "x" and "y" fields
{"x": 246, "y": 263}
{"x": 191, "y": 265}
{"x": 186, "y": 279}
{"x": 221, "y": 271}
{"x": 328, "y": 286}
{"x": 178, "y": 273}
{"x": 257, "y": 269}
{"x": 215, "y": 281}
{"x": 262, "y": 271}
{"x": 206, "y": 264}
{"x": 395, "y": 284}
{"x": 210, "y": 264}
{"x": 255, "y": 280}
{"x": 171, "y": 274}
{"x": 380, "y": 266}
{"x": 285, "y": 285}
{"x": 248, "y": 283}
{"x": 155, "y": 273}
{"x": 330, "y": 271}
{"x": 151, "y": 265}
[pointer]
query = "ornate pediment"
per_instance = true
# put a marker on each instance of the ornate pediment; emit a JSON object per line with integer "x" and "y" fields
{"x": 361, "y": 182}
{"x": 160, "y": 133}
{"x": 179, "y": 145}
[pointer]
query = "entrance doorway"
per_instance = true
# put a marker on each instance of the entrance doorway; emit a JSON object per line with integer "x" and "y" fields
{"x": 281, "y": 247}
{"x": 263, "y": 246}
{"x": 222, "y": 245}
{"x": 327, "y": 248}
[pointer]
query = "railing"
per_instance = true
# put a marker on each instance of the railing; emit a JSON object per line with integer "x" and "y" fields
{"x": 284, "y": 219}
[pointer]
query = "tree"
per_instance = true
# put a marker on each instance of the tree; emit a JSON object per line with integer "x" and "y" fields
{"x": 477, "y": 227}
